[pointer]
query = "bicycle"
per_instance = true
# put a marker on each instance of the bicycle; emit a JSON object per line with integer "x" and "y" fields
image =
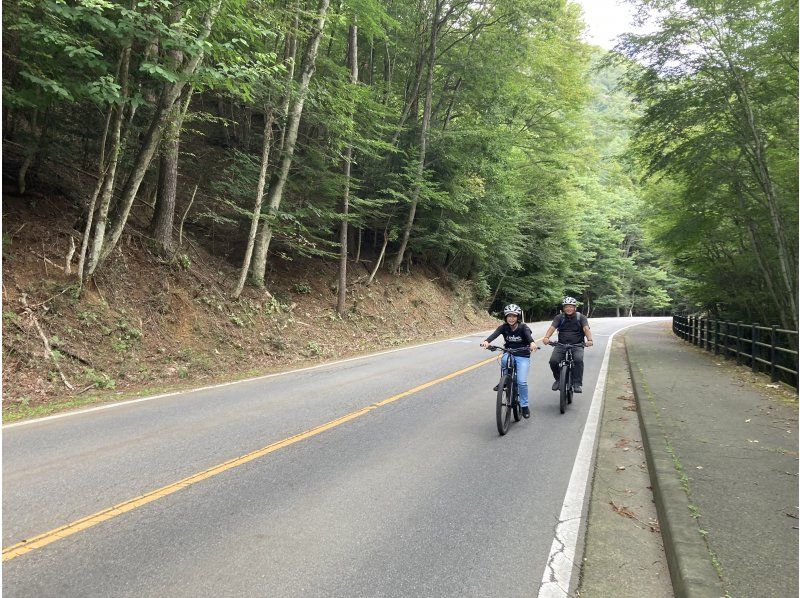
{"x": 565, "y": 366}
{"x": 507, "y": 392}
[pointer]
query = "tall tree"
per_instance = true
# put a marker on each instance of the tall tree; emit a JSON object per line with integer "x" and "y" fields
{"x": 435, "y": 26}
{"x": 164, "y": 212}
{"x": 352, "y": 61}
{"x": 276, "y": 192}
{"x": 718, "y": 83}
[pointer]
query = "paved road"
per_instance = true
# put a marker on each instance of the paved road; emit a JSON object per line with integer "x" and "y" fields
{"x": 417, "y": 496}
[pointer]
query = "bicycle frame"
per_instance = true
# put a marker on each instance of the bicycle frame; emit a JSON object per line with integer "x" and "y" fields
{"x": 507, "y": 390}
{"x": 566, "y": 366}
{"x": 511, "y": 364}
{"x": 568, "y": 359}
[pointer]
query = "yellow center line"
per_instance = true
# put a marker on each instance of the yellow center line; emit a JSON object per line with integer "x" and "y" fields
{"x": 134, "y": 503}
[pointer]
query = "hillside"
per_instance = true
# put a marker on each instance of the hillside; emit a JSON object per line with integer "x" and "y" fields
{"x": 144, "y": 326}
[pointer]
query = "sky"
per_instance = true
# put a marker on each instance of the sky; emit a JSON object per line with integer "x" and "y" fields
{"x": 605, "y": 20}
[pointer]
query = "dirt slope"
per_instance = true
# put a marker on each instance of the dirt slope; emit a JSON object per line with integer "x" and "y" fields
{"x": 146, "y": 326}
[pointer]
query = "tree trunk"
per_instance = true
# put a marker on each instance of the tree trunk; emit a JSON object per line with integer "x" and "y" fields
{"x": 380, "y": 257}
{"x": 164, "y": 211}
{"x": 289, "y": 59}
{"x": 423, "y": 139}
{"x": 226, "y": 134}
{"x": 262, "y": 179}
{"x": 164, "y": 215}
{"x": 107, "y": 187}
{"x": 276, "y": 192}
{"x": 148, "y": 147}
{"x": 762, "y": 259}
{"x": 247, "y": 122}
{"x": 387, "y": 72}
{"x": 352, "y": 58}
{"x": 30, "y": 152}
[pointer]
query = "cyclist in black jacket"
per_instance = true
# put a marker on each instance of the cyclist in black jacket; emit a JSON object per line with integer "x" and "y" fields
{"x": 516, "y": 335}
{"x": 572, "y": 327}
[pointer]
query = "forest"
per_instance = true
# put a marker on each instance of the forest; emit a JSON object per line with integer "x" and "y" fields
{"x": 483, "y": 140}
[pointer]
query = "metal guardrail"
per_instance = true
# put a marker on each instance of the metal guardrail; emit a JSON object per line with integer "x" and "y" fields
{"x": 764, "y": 348}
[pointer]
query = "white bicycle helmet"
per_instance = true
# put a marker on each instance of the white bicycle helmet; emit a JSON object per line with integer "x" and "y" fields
{"x": 570, "y": 301}
{"x": 512, "y": 308}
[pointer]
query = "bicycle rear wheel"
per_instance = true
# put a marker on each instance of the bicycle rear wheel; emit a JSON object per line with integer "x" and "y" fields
{"x": 562, "y": 390}
{"x": 503, "y": 410}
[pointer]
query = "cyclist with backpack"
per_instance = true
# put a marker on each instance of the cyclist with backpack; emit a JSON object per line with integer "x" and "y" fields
{"x": 572, "y": 327}
{"x": 516, "y": 335}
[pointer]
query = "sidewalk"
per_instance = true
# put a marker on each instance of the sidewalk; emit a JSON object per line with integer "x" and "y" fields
{"x": 722, "y": 454}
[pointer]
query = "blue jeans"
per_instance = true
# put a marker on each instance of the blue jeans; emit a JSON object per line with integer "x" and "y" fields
{"x": 523, "y": 365}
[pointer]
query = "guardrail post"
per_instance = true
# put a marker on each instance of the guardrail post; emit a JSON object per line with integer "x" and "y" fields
{"x": 703, "y": 336}
{"x": 708, "y": 334}
{"x": 738, "y": 343}
{"x": 728, "y": 335}
{"x": 773, "y": 371}
{"x": 754, "y": 348}
{"x": 716, "y": 337}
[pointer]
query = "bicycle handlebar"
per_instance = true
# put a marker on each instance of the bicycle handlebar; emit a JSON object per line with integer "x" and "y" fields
{"x": 504, "y": 350}
{"x": 566, "y": 345}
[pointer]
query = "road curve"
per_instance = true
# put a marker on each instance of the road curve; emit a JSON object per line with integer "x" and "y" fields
{"x": 414, "y": 496}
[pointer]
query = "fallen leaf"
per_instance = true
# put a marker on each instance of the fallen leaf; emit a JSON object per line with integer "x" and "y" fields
{"x": 699, "y": 467}
{"x": 747, "y": 421}
{"x": 629, "y": 407}
{"x": 624, "y": 511}
{"x": 620, "y": 467}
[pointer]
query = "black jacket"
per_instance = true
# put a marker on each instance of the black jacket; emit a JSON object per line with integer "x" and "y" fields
{"x": 520, "y": 338}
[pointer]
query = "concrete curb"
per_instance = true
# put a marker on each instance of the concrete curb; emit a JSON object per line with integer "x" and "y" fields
{"x": 691, "y": 570}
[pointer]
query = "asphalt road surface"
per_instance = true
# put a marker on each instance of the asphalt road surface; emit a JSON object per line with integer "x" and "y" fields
{"x": 332, "y": 481}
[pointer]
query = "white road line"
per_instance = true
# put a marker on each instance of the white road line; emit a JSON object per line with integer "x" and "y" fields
{"x": 264, "y": 377}
{"x": 561, "y": 561}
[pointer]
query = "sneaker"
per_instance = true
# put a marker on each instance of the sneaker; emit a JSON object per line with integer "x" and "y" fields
{"x": 555, "y": 385}
{"x": 526, "y": 412}
{"x": 577, "y": 388}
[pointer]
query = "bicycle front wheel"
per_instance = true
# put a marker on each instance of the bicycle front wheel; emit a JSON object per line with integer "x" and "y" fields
{"x": 516, "y": 409}
{"x": 570, "y": 392}
{"x": 562, "y": 390}
{"x": 503, "y": 410}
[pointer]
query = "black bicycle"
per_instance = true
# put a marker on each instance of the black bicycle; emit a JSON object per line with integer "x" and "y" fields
{"x": 566, "y": 366}
{"x": 507, "y": 392}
